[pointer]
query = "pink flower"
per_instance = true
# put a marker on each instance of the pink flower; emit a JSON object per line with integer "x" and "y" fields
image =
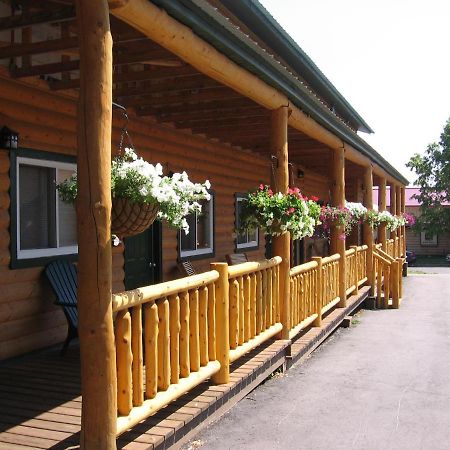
{"x": 270, "y": 193}
{"x": 291, "y": 210}
{"x": 314, "y": 198}
{"x": 261, "y": 186}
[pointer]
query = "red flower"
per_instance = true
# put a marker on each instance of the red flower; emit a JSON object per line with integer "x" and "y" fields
{"x": 261, "y": 186}
{"x": 305, "y": 198}
{"x": 270, "y": 192}
{"x": 314, "y": 198}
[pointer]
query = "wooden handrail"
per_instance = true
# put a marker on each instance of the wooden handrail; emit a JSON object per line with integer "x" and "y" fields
{"x": 127, "y": 299}
{"x": 302, "y": 268}
{"x": 330, "y": 259}
{"x": 252, "y": 266}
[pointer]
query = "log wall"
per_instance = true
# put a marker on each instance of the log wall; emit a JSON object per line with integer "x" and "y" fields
{"x": 46, "y": 121}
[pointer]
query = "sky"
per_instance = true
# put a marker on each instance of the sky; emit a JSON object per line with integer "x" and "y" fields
{"x": 389, "y": 58}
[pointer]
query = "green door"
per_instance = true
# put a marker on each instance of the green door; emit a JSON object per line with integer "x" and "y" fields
{"x": 143, "y": 258}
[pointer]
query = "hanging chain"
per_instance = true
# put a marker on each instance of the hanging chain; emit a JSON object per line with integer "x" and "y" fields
{"x": 274, "y": 160}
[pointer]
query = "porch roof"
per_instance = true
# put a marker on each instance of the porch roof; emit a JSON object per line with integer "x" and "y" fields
{"x": 217, "y": 30}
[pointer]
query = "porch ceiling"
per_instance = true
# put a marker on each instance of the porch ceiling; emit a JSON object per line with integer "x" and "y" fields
{"x": 148, "y": 80}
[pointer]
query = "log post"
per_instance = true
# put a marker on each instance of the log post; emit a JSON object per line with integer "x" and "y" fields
{"x": 95, "y": 326}
{"x": 338, "y": 232}
{"x": 282, "y": 244}
{"x": 403, "y": 210}
{"x": 393, "y": 205}
{"x": 382, "y": 207}
{"x": 398, "y": 212}
{"x": 222, "y": 323}
{"x": 367, "y": 229}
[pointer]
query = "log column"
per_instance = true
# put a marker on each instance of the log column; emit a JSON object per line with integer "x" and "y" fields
{"x": 282, "y": 244}
{"x": 403, "y": 210}
{"x": 382, "y": 207}
{"x": 367, "y": 229}
{"x": 97, "y": 350}
{"x": 338, "y": 232}
{"x": 398, "y": 212}
{"x": 393, "y": 205}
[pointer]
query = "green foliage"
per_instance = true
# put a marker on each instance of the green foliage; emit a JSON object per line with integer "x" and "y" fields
{"x": 433, "y": 179}
{"x": 277, "y": 213}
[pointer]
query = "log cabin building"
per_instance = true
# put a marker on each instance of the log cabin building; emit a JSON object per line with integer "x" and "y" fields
{"x": 212, "y": 87}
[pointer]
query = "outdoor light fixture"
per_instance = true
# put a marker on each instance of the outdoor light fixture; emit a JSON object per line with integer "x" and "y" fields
{"x": 8, "y": 139}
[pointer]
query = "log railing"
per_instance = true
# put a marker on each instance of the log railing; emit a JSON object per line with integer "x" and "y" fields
{"x": 361, "y": 264}
{"x": 314, "y": 291}
{"x": 254, "y": 306}
{"x": 305, "y": 301}
{"x": 165, "y": 344}
{"x": 330, "y": 283}
{"x": 387, "y": 276}
{"x": 351, "y": 272}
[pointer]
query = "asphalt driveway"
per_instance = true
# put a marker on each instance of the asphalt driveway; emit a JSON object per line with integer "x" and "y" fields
{"x": 383, "y": 384}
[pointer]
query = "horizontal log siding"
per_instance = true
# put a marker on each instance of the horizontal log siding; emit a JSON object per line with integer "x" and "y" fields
{"x": 47, "y": 121}
{"x": 413, "y": 240}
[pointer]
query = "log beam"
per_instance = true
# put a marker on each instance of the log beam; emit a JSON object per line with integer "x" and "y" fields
{"x": 182, "y": 41}
{"x": 97, "y": 350}
{"x": 37, "y": 18}
{"x": 282, "y": 244}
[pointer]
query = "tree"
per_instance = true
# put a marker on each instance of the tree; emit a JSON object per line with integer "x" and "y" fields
{"x": 433, "y": 179}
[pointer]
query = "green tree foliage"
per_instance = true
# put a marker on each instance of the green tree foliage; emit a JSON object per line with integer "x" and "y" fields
{"x": 433, "y": 179}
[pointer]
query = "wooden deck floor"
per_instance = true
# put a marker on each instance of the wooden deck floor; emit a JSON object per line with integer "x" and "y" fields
{"x": 40, "y": 402}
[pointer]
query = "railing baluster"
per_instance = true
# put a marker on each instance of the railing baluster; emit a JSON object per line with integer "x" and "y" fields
{"x": 253, "y": 296}
{"x": 247, "y": 307}
{"x": 174, "y": 311}
{"x": 259, "y": 301}
{"x": 138, "y": 360}
{"x": 264, "y": 300}
{"x": 212, "y": 322}
{"x": 203, "y": 327}
{"x": 124, "y": 361}
{"x": 151, "y": 322}
{"x": 185, "y": 362}
{"x": 194, "y": 344}
{"x": 269, "y": 299}
{"x": 163, "y": 345}
{"x": 241, "y": 311}
{"x": 234, "y": 313}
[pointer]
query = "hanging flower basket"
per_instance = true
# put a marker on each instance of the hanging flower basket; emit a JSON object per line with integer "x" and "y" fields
{"x": 278, "y": 213}
{"x": 129, "y": 218}
{"x": 141, "y": 193}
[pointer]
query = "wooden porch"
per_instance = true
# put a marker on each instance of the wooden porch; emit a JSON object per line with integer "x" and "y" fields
{"x": 41, "y": 402}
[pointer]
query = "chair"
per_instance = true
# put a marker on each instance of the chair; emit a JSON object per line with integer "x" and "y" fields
{"x": 236, "y": 258}
{"x": 186, "y": 268}
{"x": 62, "y": 276}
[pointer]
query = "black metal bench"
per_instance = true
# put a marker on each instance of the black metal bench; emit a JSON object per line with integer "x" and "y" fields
{"x": 62, "y": 276}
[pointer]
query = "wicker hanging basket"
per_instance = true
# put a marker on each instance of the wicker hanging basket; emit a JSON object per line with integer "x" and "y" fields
{"x": 129, "y": 219}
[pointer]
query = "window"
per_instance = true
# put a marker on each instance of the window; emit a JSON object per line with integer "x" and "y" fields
{"x": 200, "y": 240}
{"x": 428, "y": 239}
{"x": 42, "y": 225}
{"x": 245, "y": 238}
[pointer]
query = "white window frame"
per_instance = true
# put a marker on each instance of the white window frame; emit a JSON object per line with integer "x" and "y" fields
{"x": 433, "y": 242}
{"x": 249, "y": 244}
{"x": 202, "y": 251}
{"x": 41, "y": 252}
